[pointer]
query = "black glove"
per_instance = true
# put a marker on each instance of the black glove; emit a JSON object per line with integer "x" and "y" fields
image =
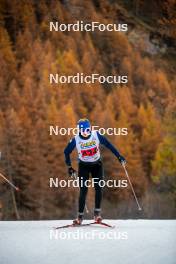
{"x": 71, "y": 172}
{"x": 122, "y": 160}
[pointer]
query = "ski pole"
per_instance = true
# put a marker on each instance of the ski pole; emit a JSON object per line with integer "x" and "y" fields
{"x": 87, "y": 210}
{"x": 139, "y": 207}
{"x": 9, "y": 182}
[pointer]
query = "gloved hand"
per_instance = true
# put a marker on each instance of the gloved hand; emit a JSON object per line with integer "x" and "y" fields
{"x": 122, "y": 160}
{"x": 71, "y": 172}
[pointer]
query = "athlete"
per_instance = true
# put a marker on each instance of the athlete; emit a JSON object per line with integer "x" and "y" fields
{"x": 87, "y": 143}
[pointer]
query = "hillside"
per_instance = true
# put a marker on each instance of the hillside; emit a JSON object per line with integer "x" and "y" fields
{"x": 29, "y": 104}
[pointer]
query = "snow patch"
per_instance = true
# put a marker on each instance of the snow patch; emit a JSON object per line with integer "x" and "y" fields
{"x": 134, "y": 241}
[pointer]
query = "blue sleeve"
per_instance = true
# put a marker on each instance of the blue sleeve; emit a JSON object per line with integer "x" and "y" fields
{"x": 104, "y": 141}
{"x": 68, "y": 150}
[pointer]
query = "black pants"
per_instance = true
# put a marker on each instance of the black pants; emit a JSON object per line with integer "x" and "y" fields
{"x": 96, "y": 171}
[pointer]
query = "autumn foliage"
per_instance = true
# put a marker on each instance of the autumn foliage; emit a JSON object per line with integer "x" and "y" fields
{"x": 29, "y": 104}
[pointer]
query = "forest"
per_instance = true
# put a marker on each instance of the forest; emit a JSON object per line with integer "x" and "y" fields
{"x": 145, "y": 106}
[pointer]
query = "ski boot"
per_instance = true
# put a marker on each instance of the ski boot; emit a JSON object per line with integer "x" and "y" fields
{"x": 78, "y": 220}
{"x": 97, "y": 216}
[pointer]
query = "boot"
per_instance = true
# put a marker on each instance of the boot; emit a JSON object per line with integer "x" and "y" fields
{"x": 78, "y": 220}
{"x": 97, "y": 215}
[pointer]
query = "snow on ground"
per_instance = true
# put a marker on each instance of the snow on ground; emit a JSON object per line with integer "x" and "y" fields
{"x": 131, "y": 241}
